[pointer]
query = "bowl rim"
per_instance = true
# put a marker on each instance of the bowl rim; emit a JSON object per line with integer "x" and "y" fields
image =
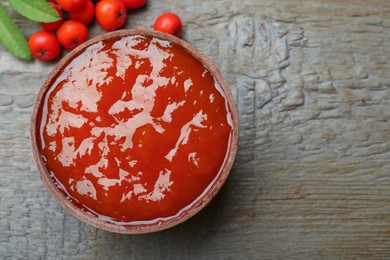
{"x": 201, "y": 202}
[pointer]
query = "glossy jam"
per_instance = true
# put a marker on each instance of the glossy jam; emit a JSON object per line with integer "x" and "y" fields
{"x": 134, "y": 129}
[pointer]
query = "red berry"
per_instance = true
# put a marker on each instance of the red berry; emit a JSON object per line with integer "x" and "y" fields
{"x": 44, "y": 46}
{"x": 110, "y": 14}
{"x": 134, "y": 3}
{"x": 169, "y": 23}
{"x": 54, "y": 25}
{"x": 85, "y": 15}
{"x": 71, "y": 34}
{"x": 71, "y": 5}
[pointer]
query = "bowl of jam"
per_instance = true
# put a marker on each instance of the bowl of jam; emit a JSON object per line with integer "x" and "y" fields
{"x": 134, "y": 131}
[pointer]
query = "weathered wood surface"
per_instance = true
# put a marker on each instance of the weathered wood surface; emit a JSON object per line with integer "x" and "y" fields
{"x": 312, "y": 176}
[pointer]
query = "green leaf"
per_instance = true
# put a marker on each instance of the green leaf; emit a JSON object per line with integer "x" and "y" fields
{"x": 36, "y": 10}
{"x": 11, "y": 37}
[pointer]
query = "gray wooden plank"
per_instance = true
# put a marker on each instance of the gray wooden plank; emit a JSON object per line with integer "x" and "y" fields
{"x": 311, "y": 179}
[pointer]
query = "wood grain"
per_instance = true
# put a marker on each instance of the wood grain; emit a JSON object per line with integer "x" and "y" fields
{"x": 311, "y": 179}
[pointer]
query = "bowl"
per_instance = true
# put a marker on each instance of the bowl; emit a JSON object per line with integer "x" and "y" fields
{"x": 134, "y": 131}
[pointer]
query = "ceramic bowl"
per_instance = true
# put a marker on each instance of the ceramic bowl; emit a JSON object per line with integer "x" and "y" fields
{"x": 84, "y": 186}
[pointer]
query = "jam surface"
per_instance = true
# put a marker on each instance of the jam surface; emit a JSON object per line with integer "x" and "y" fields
{"x": 134, "y": 129}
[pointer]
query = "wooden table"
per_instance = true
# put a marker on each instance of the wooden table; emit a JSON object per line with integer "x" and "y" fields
{"x": 312, "y": 176}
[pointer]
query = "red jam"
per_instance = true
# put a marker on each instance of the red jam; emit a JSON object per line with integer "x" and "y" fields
{"x": 134, "y": 129}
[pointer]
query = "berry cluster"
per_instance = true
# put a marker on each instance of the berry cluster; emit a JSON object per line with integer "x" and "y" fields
{"x": 71, "y": 29}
